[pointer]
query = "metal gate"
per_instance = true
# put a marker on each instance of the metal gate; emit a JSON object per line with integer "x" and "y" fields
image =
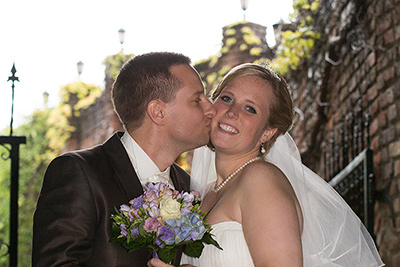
{"x": 349, "y": 162}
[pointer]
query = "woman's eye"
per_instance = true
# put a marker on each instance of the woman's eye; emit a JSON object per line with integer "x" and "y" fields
{"x": 251, "y": 110}
{"x": 226, "y": 99}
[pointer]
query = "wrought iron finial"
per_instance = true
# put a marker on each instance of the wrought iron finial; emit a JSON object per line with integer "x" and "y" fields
{"x": 12, "y": 78}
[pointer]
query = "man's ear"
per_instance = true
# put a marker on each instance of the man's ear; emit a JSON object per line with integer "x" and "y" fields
{"x": 156, "y": 111}
{"x": 268, "y": 135}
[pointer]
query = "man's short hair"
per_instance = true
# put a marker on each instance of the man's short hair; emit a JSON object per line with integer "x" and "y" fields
{"x": 144, "y": 78}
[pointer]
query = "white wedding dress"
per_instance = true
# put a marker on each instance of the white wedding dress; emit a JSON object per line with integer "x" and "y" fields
{"x": 235, "y": 253}
{"x": 332, "y": 235}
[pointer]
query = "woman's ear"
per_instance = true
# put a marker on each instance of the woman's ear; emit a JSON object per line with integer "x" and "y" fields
{"x": 156, "y": 111}
{"x": 268, "y": 135}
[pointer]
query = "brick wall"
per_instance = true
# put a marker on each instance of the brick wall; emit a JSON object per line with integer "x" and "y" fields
{"x": 356, "y": 58}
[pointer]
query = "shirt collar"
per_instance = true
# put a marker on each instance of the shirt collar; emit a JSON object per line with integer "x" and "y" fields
{"x": 142, "y": 163}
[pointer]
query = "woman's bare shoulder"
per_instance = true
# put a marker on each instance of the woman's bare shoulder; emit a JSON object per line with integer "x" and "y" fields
{"x": 264, "y": 175}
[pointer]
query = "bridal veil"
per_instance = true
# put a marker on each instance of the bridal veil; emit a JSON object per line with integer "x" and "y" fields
{"x": 332, "y": 233}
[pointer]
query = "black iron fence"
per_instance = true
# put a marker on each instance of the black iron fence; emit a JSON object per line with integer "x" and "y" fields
{"x": 349, "y": 162}
{"x": 355, "y": 183}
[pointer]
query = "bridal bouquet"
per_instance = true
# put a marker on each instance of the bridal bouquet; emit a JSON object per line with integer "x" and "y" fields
{"x": 163, "y": 220}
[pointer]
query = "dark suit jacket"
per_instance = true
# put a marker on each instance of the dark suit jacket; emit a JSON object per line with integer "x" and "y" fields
{"x": 72, "y": 222}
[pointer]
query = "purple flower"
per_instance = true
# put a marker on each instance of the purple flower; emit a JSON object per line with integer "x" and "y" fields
{"x": 124, "y": 207}
{"x": 137, "y": 202}
{"x": 150, "y": 196}
{"x": 187, "y": 197}
{"x": 151, "y": 225}
{"x": 122, "y": 228}
{"x": 154, "y": 210}
{"x": 187, "y": 227}
{"x": 185, "y": 210}
{"x": 135, "y": 232}
{"x": 167, "y": 235}
{"x": 159, "y": 243}
{"x": 133, "y": 214}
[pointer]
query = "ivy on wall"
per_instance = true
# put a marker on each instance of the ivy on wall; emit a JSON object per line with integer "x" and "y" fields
{"x": 74, "y": 97}
{"x": 113, "y": 63}
{"x": 298, "y": 44}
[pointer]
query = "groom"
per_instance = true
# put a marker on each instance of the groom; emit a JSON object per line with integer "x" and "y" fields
{"x": 160, "y": 101}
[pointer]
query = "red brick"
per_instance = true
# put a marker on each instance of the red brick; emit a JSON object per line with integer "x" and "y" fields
{"x": 388, "y": 37}
{"x": 372, "y": 92}
{"x": 392, "y": 112}
{"x": 373, "y": 128}
{"x": 394, "y": 149}
{"x": 382, "y": 24}
{"x": 393, "y": 191}
{"x": 389, "y": 5}
{"x": 375, "y": 143}
{"x": 380, "y": 82}
{"x": 374, "y": 108}
{"x": 396, "y": 204}
{"x": 377, "y": 158}
{"x": 389, "y": 74}
{"x": 379, "y": 8}
{"x": 382, "y": 119}
{"x": 397, "y": 169}
{"x": 372, "y": 59}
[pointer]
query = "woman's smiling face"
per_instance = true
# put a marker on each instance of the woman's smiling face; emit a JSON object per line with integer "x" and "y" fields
{"x": 242, "y": 112}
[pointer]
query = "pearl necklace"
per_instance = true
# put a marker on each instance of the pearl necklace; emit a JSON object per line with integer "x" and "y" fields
{"x": 216, "y": 188}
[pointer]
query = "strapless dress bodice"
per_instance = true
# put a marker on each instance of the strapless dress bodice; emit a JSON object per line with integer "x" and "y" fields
{"x": 235, "y": 253}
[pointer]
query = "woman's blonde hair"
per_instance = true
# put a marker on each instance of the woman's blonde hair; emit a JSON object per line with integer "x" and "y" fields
{"x": 281, "y": 108}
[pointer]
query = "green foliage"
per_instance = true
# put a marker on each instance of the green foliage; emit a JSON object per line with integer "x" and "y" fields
{"x": 243, "y": 47}
{"x": 297, "y": 45}
{"x": 86, "y": 95}
{"x": 35, "y": 155}
{"x": 114, "y": 63}
{"x": 250, "y": 37}
{"x": 74, "y": 97}
{"x": 230, "y": 41}
{"x": 230, "y": 32}
{"x": 256, "y": 51}
{"x": 46, "y": 132}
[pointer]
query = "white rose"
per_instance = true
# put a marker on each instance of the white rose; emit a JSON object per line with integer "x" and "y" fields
{"x": 170, "y": 208}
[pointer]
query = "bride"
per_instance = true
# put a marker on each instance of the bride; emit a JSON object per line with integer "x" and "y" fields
{"x": 265, "y": 207}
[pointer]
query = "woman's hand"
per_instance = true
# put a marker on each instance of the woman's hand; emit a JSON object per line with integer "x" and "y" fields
{"x": 159, "y": 263}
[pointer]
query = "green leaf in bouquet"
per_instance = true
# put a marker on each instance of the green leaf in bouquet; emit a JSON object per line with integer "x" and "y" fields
{"x": 115, "y": 230}
{"x": 207, "y": 238}
{"x": 167, "y": 254}
{"x": 142, "y": 232}
{"x": 194, "y": 249}
{"x": 134, "y": 246}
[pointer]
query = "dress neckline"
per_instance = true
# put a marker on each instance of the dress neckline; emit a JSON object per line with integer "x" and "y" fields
{"x": 226, "y": 222}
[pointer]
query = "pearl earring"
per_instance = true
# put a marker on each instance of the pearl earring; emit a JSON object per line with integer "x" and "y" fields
{"x": 262, "y": 148}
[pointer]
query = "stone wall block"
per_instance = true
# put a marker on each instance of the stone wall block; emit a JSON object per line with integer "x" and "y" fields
{"x": 397, "y": 171}
{"x": 394, "y": 149}
{"x": 372, "y": 59}
{"x": 374, "y": 127}
{"x": 382, "y": 24}
{"x": 392, "y": 113}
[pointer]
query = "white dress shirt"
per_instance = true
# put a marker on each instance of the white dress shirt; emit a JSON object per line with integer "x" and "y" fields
{"x": 144, "y": 166}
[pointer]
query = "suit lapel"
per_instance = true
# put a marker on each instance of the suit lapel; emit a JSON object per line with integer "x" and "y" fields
{"x": 124, "y": 172}
{"x": 177, "y": 178}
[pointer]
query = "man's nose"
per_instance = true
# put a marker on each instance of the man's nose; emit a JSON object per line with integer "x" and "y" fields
{"x": 209, "y": 109}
